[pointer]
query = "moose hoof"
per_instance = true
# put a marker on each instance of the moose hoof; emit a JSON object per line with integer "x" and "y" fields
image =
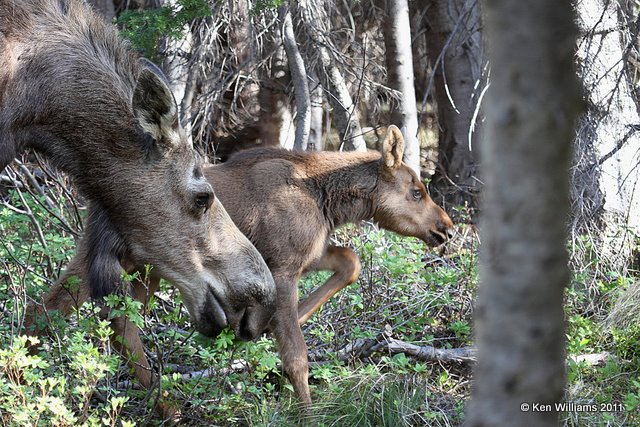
{"x": 169, "y": 413}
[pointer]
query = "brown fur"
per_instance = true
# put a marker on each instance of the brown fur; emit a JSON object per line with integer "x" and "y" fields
{"x": 72, "y": 90}
{"x": 288, "y": 203}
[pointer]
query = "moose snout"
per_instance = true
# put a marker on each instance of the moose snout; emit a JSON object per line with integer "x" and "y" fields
{"x": 445, "y": 227}
{"x": 247, "y": 320}
{"x": 441, "y": 231}
{"x": 252, "y": 322}
{"x": 212, "y": 317}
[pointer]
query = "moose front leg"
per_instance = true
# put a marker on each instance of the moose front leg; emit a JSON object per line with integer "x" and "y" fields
{"x": 68, "y": 293}
{"x": 288, "y": 335}
{"x": 126, "y": 335}
{"x": 126, "y": 340}
{"x": 346, "y": 265}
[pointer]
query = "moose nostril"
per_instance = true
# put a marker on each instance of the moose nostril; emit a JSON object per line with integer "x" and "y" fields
{"x": 445, "y": 229}
{"x": 204, "y": 199}
{"x": 244, "y": 331}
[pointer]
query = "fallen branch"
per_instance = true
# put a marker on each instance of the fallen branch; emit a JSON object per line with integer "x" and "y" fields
{"x": 427, "y": 353}
{"x": 237, "y": 366}
{"x": 361, "y": 349}
{"x": 595, "y": 359}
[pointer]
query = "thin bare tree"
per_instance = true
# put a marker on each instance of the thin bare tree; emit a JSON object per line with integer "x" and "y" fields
{"x": 397, "y": 36}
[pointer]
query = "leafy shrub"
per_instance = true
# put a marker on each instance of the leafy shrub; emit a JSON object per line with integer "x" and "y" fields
{"x": 146, "y": 28}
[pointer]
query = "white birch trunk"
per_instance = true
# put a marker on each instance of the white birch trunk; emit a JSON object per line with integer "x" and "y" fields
{"x": 397, "y": 36}
{"x": 608, "y": 138}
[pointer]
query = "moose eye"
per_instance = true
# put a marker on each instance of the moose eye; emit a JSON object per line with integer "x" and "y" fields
{"x": 417, "y": 194}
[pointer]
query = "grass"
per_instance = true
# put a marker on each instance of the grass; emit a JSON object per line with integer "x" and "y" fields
{"x": 418, "y": 295}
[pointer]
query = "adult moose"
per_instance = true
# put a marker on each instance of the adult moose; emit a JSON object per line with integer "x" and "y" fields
{"x": 288, "y": 203}
{"x": 72, "y": 90}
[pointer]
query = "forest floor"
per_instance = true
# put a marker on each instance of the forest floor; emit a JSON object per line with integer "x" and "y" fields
{"x": 407, "y": 294}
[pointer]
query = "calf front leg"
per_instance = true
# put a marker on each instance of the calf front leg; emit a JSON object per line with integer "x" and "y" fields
{"x": 291, "y": 345}
{"x": 346, "y": 266}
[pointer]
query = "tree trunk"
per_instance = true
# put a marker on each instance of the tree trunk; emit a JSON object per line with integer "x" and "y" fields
{"x": 455, "y": 49}
{"x": 345, "y": 113}
{"x": 317, "y": 113}
{"x": 243, "y": 94}
{"x": 176, "y": 68}
{"x": 312, "y": 19}
{"x": 275, "y": 118}
{"x": 534, "y": 100}
{"x": 397, "y": 39}
{"x": 606, "y": 176}
{"x": 299, "y": 78}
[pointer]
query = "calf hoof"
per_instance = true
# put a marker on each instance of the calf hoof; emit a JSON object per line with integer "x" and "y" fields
{"x": 169, "y": 413}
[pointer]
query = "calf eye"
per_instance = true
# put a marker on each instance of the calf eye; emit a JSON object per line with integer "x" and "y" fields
{"x": 417, "y": 194}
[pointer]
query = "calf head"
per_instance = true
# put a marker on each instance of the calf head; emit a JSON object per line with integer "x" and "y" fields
{"x": 402, "y": 202}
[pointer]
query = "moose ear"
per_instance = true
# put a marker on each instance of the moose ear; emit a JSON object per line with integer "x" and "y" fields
{"x": 153, "y": 103}
{"x": 393, "y": 148}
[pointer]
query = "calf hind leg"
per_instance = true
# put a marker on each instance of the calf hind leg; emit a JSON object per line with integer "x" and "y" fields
{"x": 67, "y": 293}
{"x": 346, "y": 265}
{"x": 291, "y": 345}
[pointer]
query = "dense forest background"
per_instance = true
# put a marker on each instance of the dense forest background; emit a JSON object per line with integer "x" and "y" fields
{"x": 332, "y": 75}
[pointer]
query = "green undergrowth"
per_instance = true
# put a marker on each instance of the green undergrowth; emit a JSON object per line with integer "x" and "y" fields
{"x": 406, "y": 291}
{"x": 610, "y": 387}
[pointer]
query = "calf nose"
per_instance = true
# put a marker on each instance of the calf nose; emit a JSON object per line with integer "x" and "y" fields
{"x": 445, "y": 227}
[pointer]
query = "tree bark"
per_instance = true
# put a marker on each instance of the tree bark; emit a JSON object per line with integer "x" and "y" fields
{"x": 274, "y": 102}
{"x": 317, "y": 113}
{"x": 455, "y": 50}
{"x": 299, "y": 78}
{"x": 312, "y": 19}
{"x": 533, "y": 104}
{"x": 243, "y": 93}
{"x": 606, "y": 177}
{"x": 397, "y": 39}
{"x": 345, "y": 113}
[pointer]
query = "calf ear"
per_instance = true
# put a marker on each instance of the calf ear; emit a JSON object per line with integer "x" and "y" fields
{"x": 393, "y": 148}
{"x": 154, "y": 106}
